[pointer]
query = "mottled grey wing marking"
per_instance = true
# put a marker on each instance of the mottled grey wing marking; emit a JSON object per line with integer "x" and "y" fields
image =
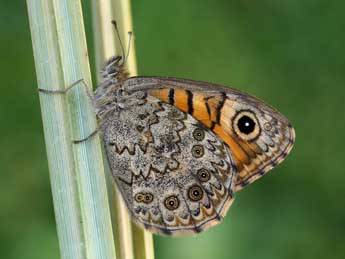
{"x": 175, "y": 176}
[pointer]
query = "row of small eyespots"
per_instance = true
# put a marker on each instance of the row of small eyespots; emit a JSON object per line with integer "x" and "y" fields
{"x": 195, "y": 193}
{"x": 198, "y": 150}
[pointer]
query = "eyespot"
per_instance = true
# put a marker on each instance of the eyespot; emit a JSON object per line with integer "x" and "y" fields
{"x": 148, "y": 198}
{"x": 246, "y": 125}
{"x": 139, "y": 197}
{"x": 195, "y": 193}
{"x": 198, "y": 134}
{"x": 203, "y": 175}
{"x": 144, "y": 197}
{"x": 267, "y": 126}
{"x": 172, "y": 202}
{"x": 197, "y": 151}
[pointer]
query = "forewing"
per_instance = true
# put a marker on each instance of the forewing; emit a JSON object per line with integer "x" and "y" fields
{"x": 223, "y": 110}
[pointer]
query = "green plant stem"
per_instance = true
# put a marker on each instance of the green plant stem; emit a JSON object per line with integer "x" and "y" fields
{"x": 56, "y": 129}
{"x": 131, "y": 240}
{"x": 61, "y": 59}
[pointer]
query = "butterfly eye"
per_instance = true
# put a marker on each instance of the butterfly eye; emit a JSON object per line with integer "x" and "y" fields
{"x": 198, "y": 134}
{"x": 246, "y": 125}
{"x": 203, "y": 175}
{"x": 197, "y": 151}
{"x": 195, "y": 193}
{"x": 172, "y": 202}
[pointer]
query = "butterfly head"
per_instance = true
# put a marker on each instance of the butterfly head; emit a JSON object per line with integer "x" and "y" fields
{"x": 114, "y": 70}
{"x": 113, "y": 74}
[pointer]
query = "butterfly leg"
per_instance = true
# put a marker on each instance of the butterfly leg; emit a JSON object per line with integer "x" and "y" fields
{"x": 86, "y": 138}
{"x": 41, "y": 90}
{"x": 82, "y": 81}
{"x": 89, "y": 94}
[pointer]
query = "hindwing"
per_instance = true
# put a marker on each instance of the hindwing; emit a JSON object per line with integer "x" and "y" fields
{"x": 175, "y": 175}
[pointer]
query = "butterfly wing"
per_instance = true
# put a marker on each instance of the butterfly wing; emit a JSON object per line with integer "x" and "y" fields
{"x": 257, "y": 135}
{"x": 174, "y": 174}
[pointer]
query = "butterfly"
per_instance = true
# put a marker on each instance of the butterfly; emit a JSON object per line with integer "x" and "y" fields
{"x": 180, "y": 149}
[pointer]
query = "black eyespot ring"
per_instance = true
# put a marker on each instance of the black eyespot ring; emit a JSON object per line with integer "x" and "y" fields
{"x": 148, "y": 198}
{"x": 195, "y": 193}
{"x": 198, "y": 134}
{"x": 172, "y": 202}
{"x": 197, "y": 151}
{"x": 267, "y": 126}
{"x": 246, "y": 125}
{"x": 139, "y": 197}
{"x": 203, "y": 175}
{"x": 144, "y": 197}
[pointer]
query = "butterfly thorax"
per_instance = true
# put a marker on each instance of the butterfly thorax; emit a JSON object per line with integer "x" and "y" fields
{"x": 109, "y": 92}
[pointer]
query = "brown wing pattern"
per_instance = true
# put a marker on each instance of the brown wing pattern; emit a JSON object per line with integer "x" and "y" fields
{"x": 175, "y": 175}
{"x": 228, "y": 113}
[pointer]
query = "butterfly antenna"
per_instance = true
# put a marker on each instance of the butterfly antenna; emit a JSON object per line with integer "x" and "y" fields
{"x": 118, "y": 36}
{"x": 130, "y": 34}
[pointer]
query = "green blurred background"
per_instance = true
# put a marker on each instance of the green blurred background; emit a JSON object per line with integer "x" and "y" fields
{"x": 289, "y": 53}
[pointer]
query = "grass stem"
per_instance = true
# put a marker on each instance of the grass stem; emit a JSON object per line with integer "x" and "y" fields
{"x": 76, "y": 171}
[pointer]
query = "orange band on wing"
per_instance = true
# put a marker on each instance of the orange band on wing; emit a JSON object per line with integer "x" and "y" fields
{"x": 162, "y": 94}
{"x": 200, "y": 110}
{"x": 240, "y": 156}
{"x": 213, "y": 103}
{"x": 181, "y": 100}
